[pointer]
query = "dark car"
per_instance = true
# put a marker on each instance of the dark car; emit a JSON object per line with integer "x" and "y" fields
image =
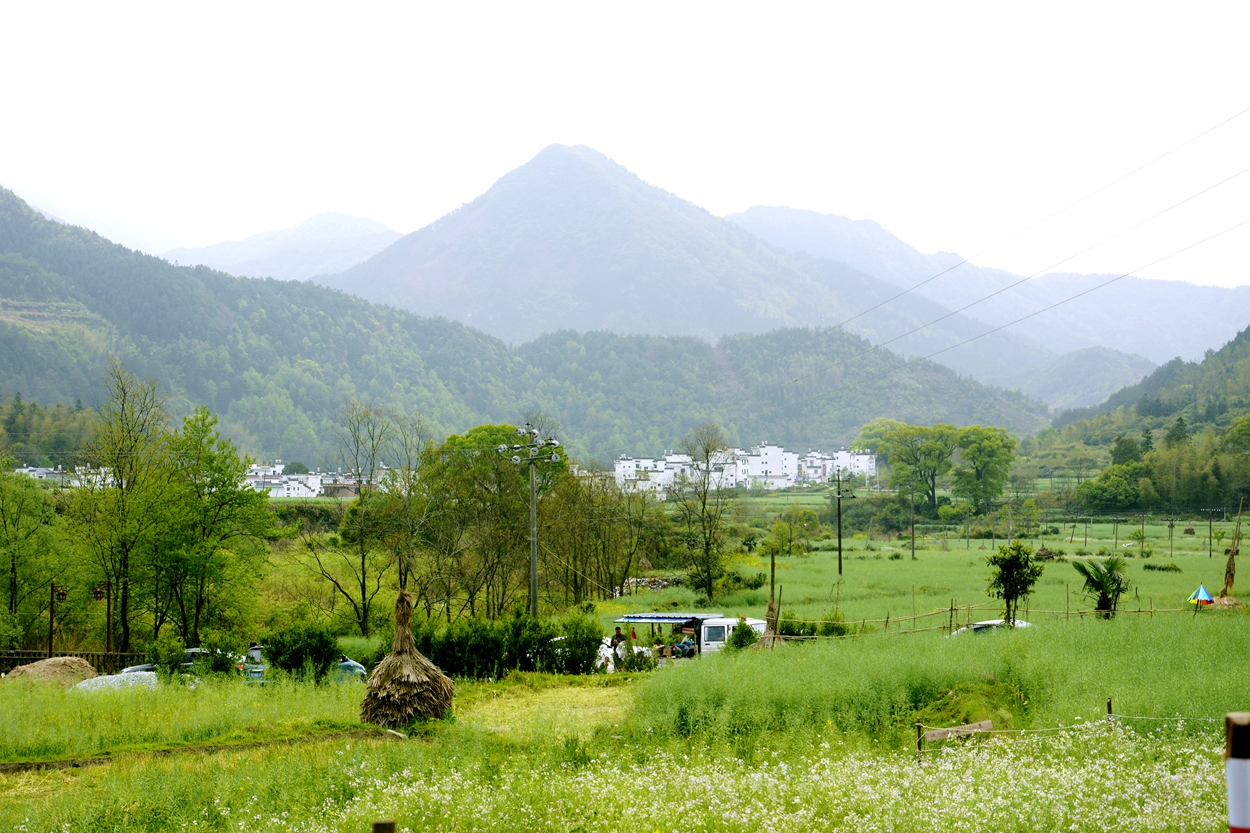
{"x": 256, "y": 666}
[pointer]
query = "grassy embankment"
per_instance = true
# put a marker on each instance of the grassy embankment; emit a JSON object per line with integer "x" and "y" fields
{"x": 812, "y": 736}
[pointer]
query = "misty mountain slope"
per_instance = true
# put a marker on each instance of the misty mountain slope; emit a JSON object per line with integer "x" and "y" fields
{"x": 326, "y": 243}
{"x": 1083, "y": 378}
{"x": 276, "y": 359}
{"x": 571, "y": 240}
{"x": 1155, "y": 319}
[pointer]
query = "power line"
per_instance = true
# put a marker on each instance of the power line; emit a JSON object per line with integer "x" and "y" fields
{"x": 1010, "y": 286}
{"x": 821, "y": 332}
{"x": 1010, "y": 323}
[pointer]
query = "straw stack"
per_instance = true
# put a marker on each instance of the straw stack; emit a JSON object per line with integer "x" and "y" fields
{"x": 405, "y": 685}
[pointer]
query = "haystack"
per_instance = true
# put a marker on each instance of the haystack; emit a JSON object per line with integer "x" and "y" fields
{"x": 63, "y": 671}
{"x": 405, "y": 685}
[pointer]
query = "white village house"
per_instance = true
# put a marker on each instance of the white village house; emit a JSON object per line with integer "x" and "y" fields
{"x": 766, "y": 465}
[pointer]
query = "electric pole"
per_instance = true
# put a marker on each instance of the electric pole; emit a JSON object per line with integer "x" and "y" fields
{"x": 538, "y": 450}
{"x": 1210, "y": 513}
{"x": 837, "y": 495}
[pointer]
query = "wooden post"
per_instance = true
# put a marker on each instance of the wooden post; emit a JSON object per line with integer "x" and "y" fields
{"x": 919, "y": 740}
{"x": 384, "y": 827}
{"x": 1067, "y": 602}
{"x": 1110, "y": 715}
{"x": 913, "y": 607}
{"x": 1237, "y": 769}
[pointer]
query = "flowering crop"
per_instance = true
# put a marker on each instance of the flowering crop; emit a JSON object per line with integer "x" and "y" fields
{"x": 1097, "y": 778}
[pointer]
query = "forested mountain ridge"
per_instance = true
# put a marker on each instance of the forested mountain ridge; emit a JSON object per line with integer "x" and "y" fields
{"x": 572, "y": 240}
{"x": 1157, "y": 319}
{"x": 1206, "y": 397}
{"x": 276, "y": 359}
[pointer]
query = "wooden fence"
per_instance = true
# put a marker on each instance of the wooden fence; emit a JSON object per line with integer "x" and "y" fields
{"x": 104, "y": 663}
{"x": 958, "y": 616}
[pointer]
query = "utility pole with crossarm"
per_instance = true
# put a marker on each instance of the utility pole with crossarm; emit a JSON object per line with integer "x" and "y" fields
{"x": 536, "y": 450}
{"x": 837, "y": 496}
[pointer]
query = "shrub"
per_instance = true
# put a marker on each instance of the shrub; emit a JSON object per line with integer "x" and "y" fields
{"x": 634, "y": 660}
{"x": 527, "y": 643}
{"x": 896, "y": 556}
{"x": 220, "y": 658}
{"x": 305, "y": 650}
{"x": 790, "y": 626}
{"x": 742, "y": 636}
{"x": 578, "y": 650}
{"x": 1166, "y": 567}
{"x": 167, "y": 653}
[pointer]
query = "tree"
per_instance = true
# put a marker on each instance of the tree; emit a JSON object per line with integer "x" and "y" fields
{"x": 27, "y": 542}
{"x": 219, "y": 520}
{"x": 985, "y": 462}
{"x": 1177, "y": 435}
{"x": 1105, "y": 582}
{"x": 923, "y": 454}
{"x": 1014, "y": 574}
{"x": 702, "y": 506}
{"x": 121, "y": 499}
{"x": 354, "y": 561}
{"x": 1125, "y": 450}
{"x": 408, "y": 502}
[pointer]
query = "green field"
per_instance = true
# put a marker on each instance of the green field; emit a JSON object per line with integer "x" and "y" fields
{"x": 815, "y": 735}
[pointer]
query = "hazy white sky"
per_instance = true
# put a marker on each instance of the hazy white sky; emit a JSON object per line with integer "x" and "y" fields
{"x": 951, "y": 125}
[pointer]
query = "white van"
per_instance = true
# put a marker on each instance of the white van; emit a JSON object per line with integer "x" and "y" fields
{"x": 715, "y": 632}
{"x": 711, "y": 630}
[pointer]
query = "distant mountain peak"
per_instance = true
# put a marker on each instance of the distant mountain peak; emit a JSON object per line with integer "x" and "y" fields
{"x": 324, "y": 243}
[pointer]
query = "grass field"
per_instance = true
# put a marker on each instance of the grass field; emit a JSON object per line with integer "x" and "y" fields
{"x": 880, "y": 577}
{"x": 812, "y": 736}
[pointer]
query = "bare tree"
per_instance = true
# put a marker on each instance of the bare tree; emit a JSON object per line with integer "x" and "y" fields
{"x": 703, "y": 506}
{"x": 355, "y": 562}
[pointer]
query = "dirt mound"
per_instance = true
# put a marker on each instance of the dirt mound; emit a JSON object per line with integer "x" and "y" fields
{"x": 64, "y": 671}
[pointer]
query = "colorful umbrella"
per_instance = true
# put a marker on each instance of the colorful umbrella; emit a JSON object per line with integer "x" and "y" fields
{"x": 1200, "y": 596}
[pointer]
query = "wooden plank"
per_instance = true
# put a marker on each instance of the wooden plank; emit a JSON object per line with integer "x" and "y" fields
{"x": 959, "y": 731}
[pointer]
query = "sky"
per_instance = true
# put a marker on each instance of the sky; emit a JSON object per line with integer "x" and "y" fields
{"x": 952, "y": 125}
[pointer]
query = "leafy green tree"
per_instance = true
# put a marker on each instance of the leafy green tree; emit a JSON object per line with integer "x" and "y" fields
{"x": 985, "y": 456}
{"x": 921, "y": 454}
{"x": 1177, "y": 435}
{"x": 120, "y": 501}
{"x": 702, "y": 506}
{"x": 1105, "y": 582}
{"x": 1125, "y": 450}
{"x": 220, "y": 521}
{"x": 29, "y": 544}
{"x": 1014, "y": 574}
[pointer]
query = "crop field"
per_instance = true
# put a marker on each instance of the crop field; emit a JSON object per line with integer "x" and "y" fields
{"x": 816, "y": 735}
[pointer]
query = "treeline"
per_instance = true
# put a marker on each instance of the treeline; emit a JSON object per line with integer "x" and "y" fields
{"x": 1177, "y": 471}
{"x": 157, "y": 525}
{"x": 33, "y": 435}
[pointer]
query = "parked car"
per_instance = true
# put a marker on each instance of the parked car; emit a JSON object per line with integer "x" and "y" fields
{"x": 188, "y": 659}
{"x": 989, "y": 626}
{"x": 255, "y": 667}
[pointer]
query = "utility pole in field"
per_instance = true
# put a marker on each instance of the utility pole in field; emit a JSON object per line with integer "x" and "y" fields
{"x": 1210, "y": 513}
{"x": 538, "y": 450}
{"x": 837, "y": 496}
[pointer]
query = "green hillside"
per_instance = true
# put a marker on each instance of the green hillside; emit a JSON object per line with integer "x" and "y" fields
{"x": 1208, "y": 396}
{"x": 276, "y": 359}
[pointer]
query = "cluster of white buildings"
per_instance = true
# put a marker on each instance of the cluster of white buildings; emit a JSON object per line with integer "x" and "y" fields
{"x": 765, "y": 465}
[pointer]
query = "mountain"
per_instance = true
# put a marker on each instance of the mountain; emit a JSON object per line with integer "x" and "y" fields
{"x": 276, "y": 359}
{"x": 1156, "y": 319}
{"x": 1083, "y": 377}
{"x": 326, "y": 243}
{"x": 572, "y": 240}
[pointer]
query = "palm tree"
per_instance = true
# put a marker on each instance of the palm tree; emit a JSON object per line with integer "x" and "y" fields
{"x": 1105, "y": 582}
